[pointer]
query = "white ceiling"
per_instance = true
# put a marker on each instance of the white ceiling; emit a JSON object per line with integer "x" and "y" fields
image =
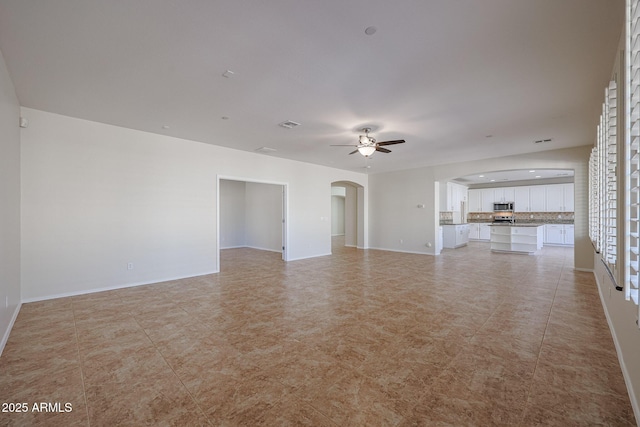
{"x": 498, "y": 177}
{"x": 457, "y": 79}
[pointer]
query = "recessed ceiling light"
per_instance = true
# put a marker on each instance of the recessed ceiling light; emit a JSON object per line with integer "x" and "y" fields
{"x": 493, "y": 180}
{"x": 228, "y": 74}
{"x": 538, "y": 176}
{"x": 481, "y": 176}
{"x": 531, "y": 171}
{"x": 370, "y": 30}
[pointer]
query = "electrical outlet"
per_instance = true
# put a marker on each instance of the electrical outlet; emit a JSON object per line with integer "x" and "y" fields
{"x": 130, "y": 266}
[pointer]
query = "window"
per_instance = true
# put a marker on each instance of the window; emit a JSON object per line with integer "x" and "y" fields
{"x": 603, "y": 183}
{"x": 632, "y": 152}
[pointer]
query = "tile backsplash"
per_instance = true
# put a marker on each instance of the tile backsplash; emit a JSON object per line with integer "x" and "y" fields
{"x": 522, "y": 217}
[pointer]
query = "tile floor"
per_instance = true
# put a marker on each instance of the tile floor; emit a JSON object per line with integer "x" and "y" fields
{"x": 359, "y": 338}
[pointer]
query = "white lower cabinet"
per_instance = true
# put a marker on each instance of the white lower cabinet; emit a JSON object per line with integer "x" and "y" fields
{"x": 513, "y": 238}
{"x": 480, "y": 231}
{"x": 455, "y": 235}
{"x": 558, "y": 234}
{"x": 474, "y": 231}
{"x": 485, "y": 231}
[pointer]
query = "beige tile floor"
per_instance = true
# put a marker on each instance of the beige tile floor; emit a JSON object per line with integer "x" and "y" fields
{"x": 469, "y": 338}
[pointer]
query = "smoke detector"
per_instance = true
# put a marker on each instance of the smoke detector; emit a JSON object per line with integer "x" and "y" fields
{"x": 288, "y": 124}
{"x": 265, "y": 150}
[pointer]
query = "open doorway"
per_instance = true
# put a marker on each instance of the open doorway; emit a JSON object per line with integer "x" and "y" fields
{"x": 252, "y": 214}
{"x": 347, "y": 214}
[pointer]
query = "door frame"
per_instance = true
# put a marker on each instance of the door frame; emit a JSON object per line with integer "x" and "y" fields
{"x": 285, "y": 211}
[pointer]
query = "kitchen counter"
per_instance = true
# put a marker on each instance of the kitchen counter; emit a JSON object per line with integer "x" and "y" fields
{"x": 517, "y": 224}
{"x": 516, "y": 238}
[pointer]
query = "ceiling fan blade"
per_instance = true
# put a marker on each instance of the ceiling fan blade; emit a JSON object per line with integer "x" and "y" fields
{"x": 353, "y": 152}
{"x": 397, "y": 141}
{"x": 382, "y": 150}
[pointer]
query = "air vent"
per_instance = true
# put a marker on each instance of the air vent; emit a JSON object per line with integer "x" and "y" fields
{"x": 265, "y": 150}
{"x": 540, "y": 141}
{"x": 288, "y": 124}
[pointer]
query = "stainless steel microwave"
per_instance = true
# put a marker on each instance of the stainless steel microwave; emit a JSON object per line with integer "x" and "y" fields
{"x": 505, "y": 206}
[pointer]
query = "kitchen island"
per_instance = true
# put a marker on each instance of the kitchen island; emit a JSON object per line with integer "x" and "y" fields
{"x": 517, "y": 238}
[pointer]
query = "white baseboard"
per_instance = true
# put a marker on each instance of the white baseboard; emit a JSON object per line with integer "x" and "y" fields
{"x": 623, "y": 366}
{"x": 5, "y": 337}
{"x": 265, "y": 249}
{"x": 112, "y": 288}
{"x": 403, "y": 252}
{"x": 309, "y": 257}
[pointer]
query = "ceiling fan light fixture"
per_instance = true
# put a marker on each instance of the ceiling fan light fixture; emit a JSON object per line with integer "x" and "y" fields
{"x": 367, "y": 150}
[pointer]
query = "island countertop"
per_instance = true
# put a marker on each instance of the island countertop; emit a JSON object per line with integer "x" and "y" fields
{"x": 506, "y": 224}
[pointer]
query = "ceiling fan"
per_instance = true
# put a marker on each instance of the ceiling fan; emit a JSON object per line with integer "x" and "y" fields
{"x": 367, "y": 145}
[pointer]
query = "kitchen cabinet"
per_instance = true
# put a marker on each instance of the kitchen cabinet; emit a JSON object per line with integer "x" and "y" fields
{"x": 474, "y": 231}
{"x": 504, "y": 194}
{"x": 475, "y": 201}
{"x": 558, "y": 234}
{"x": 479, "y": 231}
{"x": 522, "y": 200}
{"x": 560, "y": 198}
{"x": 481, "y": 200}
{"x": 530, "y": 198}
{"x": 569, "y": 198}
{"x": 514, "y": 238}
{"x": 488, "y": 197}
{"x": 451, "y": 197}
{"x": 455, "y": 235}
{"x": 484, "y": 231}
{"x": 537, "y": 198}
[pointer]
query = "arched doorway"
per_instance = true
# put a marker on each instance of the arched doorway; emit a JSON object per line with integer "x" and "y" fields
{"x": 348, "y": 213}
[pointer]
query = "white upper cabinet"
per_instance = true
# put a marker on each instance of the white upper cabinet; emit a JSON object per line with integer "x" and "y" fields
{"x": 481, "y": 200}
{"x": 569, "y": 200}
{"x": 504, "y": 194}
{"x": 475, "y": 201}
{"x": 451, "y": 197}
{"x": 488, "y": 198}
{"x": 529, "y": 198}
{"x": 560, "y": 198}
{"x": 521, "y": 200}
{"x": 537, "y": 198}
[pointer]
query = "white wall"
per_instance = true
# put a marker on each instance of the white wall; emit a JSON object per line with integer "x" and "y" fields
{"x": 396, "y": 223}
{"x": 337, "y": 215}
{"x": 9, "y": 204}
{"x": 263, "y": 216}
{"x": 351, "y": 216}
{"x": 96, "y": 197}
{"x": 621, "y": 315}
{"x": 232, "y": 214}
